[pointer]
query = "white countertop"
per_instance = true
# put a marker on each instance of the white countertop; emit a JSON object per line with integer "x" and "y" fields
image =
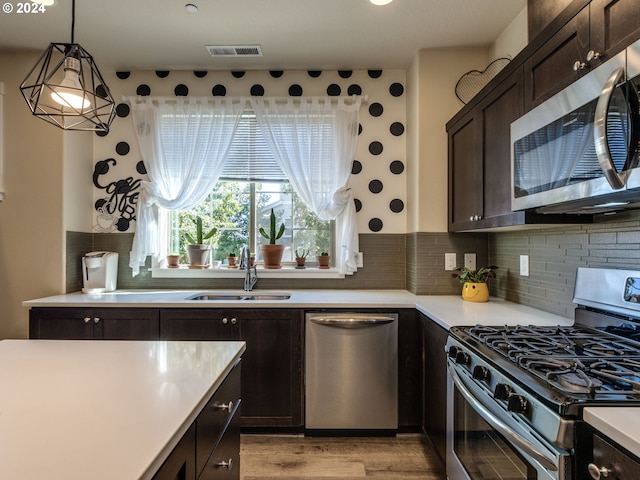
{"x": 101, "y": 410}
{"x": 446, "y": 310}
{"x": 621, "y": 424}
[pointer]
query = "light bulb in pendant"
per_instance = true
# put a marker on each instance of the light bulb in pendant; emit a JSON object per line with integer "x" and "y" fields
{"x": 70, "y": 93}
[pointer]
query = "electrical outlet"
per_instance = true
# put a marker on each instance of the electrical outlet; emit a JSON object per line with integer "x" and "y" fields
{"x": 470, "y": 261}
{"x": 360, "y": 260}
{"x": 449, "y": 261}
{"x": 524, "y": 265}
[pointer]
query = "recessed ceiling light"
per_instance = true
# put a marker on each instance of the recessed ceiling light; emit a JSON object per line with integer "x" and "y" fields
{"x": 191, "y": 8}
{"x": 381, "y": 2}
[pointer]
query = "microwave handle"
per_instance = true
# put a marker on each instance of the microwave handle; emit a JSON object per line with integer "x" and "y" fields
{"x": 500, "y": 426}
{"x": 616, "y": 179}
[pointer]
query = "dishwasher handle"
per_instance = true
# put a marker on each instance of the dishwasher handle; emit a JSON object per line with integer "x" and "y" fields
{"x": 352, "y": 320}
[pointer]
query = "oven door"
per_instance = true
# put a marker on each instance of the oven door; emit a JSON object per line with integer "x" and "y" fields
{"x": 484, "y": 440}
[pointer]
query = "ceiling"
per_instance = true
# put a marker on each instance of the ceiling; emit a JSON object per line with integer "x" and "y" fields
{"x": 293, "y": 34}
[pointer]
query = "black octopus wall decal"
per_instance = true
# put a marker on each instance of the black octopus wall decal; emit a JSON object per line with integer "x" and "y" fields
{"x": 118, "y": 208}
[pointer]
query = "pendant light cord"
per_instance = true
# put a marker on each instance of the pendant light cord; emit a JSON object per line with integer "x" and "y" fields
{"x": 73, "y": 20}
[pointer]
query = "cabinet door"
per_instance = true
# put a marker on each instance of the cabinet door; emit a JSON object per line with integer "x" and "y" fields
{"x": 61, "y": 323}
{"x": 181, "y": 462}
{"x": 551, "y": 68}
{"x": 272, "y": 368}
{"x": 126, "y": 324}
{"x": 198, "y": 324}
{"x": 615, "y": 24}
{"x": 465, "y": 173}
{"x": 435, "y": 384}
{"x": 409, "y": 371}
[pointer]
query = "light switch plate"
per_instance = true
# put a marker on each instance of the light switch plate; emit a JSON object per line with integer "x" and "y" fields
{"x": 360, "y": 260}
{"x": 449, "y": 261}
{"x": 470, "y": 261}
{"x": 524, "y": 265}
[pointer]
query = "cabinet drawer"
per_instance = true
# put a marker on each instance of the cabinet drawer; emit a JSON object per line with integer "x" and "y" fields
{"x": 214, "y": 417}
{"x": 224, "y": 463}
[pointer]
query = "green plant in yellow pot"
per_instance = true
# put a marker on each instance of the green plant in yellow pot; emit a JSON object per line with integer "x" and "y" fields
{"x": 474, "y": 282}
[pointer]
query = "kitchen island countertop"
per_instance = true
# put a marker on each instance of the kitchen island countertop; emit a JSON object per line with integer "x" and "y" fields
{"x": 446, "y": 310}
{"x": 102, "y": 410}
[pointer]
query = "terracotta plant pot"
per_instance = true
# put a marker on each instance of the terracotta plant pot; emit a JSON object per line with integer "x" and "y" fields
{"x": 300, "y": 262}
{"x": 198, "y": 254}
{"x": 323, "y": 261}
{"x": 475, "y": 292}
{"x": 272, "y": 255}
{"x": 232, "y": 262}
{"x": 173, "y": 261}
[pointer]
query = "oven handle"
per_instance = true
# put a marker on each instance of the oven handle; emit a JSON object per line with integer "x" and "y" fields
{"x": 500, "y": 426}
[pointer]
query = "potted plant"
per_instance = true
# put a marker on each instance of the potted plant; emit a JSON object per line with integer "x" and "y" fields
{"x": 231, "y": 258}
{"x": 272, "y": 252}
{"x": 323, "y": 260}
{"x": 301, "y": 257}
{"x": 173, "y": 260}
{"x": 197, "y": 250}
{"x": 474, "y": 282}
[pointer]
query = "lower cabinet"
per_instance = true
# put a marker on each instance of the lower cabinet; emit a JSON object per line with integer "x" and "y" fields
{"x": 409, "y": 371}
{"x": 210, "y": 449}
{"x": 434, "y": 394}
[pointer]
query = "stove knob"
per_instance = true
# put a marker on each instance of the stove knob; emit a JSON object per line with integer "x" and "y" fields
{"x": 597, "y": 472}
{"x": 453, "y": 351}
{"x": 463, "y": 358}
{"x": 481, "y": 373}
{"x": 502, "y": 391}
{"x": 517, "y": 403}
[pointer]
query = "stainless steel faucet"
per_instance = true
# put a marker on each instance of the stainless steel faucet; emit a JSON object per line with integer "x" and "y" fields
{"x": 250, "y": 278}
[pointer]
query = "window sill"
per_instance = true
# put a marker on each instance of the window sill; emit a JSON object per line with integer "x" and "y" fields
{"x": 285, "y": 272}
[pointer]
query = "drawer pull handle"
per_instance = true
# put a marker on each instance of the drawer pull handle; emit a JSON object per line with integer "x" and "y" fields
{"x": 96, "y": 320}
{"x": 222, "y": 464}
{"x": 87, "y": 319}
{"x": 223, "y": 406}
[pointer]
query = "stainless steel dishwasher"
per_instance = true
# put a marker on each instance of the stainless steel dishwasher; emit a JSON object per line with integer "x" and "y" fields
{"x": 351, "y": 372}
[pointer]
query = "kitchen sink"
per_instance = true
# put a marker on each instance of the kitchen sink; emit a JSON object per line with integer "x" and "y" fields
{"x": 241, "y": 296}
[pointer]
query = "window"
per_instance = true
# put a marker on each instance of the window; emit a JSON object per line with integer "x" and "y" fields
{"x": 251, "y": 184}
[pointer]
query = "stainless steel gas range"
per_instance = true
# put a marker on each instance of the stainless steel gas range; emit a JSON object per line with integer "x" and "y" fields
{"x": 516, "y": 393}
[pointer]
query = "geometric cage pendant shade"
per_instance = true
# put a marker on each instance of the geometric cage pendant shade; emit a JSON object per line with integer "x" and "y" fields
{"x": 66, "y": 89}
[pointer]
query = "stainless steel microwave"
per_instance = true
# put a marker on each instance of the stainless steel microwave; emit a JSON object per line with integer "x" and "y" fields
{"x": 578, "y": 151}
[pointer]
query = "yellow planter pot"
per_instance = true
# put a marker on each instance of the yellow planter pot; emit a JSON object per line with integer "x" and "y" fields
{"x": 475, "y": 292}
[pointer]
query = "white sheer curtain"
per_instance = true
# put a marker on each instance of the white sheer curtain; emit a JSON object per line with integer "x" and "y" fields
{"x": 314, "y": 140}
{"x": 184, "y": 143}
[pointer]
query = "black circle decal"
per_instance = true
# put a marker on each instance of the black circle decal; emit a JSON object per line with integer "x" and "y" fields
{"x": 162, "y": 73}
{"x": 102, "y": 133}
{"x": 123, "y": 75}
{"x": 354, "y": 90}
{"x": 375, "y": 186}
{"x": 358, "y": 204}
{"x": 375, "y": 148}
{"x": 276, "y": 73}
{"x": 359, "y": 128}
{"x": 200, "y": 73}
{"x": 295, "y": 90}
{"x": 396, "y": 167}
{"x": 345, "y": 73}
{"x": 140, "y": 168}
{"x": 101, "y": 91}
{"x": 257, "y": 90}
{"x": 143, "y": 90}
{"x": 375, "y": 109}
{"x": 375, "y": 73}
{"x": 396, "y": 89}
{"x": 181, "y": 90}
{"x": 333, "y": 90}
{"x": 375, "y": 224}
{"x": 356, "y": 167}
{"x": 396, "y": 129}
{"x": 122, "y": 110}
{"x": 314, "y": 73}
{"x": 238, "y": 74}
{"x": 122, "y": 148}
{"x": 396, "y": 205}
{"x": 219, "y": 91}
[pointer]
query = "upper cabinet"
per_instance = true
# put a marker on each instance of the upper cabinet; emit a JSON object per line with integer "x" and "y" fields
{"x": 597, "y": 32}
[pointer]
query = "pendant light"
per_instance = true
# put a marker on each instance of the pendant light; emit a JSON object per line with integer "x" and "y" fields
{"x": 66, "y": 89}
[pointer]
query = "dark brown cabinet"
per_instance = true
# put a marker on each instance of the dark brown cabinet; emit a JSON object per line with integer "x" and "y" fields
{"x": 409, "y": 371}
{"x": 272, "y": 379}
{"x": 94, "y": 323}
{"x": 434, "y": 394}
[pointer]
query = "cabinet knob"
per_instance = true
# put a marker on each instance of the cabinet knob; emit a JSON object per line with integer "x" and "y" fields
{"x": 578, "y": 65}
{"x": 593, "y": 55}
{"x": 222, "y": 464}
{"x": 87, "y": 319}
{"x": 225, "y": 320}
{"x": 96, "y": 320}
{"x": 234, "y": 320}
{"x": 223, "y": 406}
{"x": 597, "y": 472}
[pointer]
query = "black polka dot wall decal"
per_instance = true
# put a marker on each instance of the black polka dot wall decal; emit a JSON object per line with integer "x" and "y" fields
{"x": 219, "y": 91}
{"x": 122, "y": 224}
{"x": 314, "y": 73}
{"x": 101, "y": 91}
{"x": 333, "y": 90}
{"x": 122, "y": 148}
{"x": 238, "y": 74}
{"x": 396, "y": 205}
{"x": 140, "y": 168}
{"x": 375, "y": 109}
{"x": 375, "y": 148}
{"x": 143, "y": 90}
{"x": 122, "y": 110}
{"x": 359, "y": 128}
{"x": 375, "y": 224}
{"x": 356, "y": 167}
{"x": 276, "y": 73}
{"x": 181, "y": 90}
{"x": 396, "y": 129}
{"x": 162, "y": 73}
{"x": 354, "y": 90}
{"x": 99, "y": 203}
{"x": 123, "y": 75}
{"x": 396, "y": 167}
{"x": 295, "y": 90}
{"x": 358, "y": 204}
{"x": 257, "y": 90}
{"x": 375, "y": 73}
{"x": 375, "y": 186}
{"x": 396, "y": 89}
{"x": 200, "y": 73}
{"x": 345, "y": 73}
{"x": 102, "y": 133}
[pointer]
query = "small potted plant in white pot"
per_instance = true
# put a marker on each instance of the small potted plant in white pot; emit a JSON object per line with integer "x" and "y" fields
{"x": 474, "y": 282}
{"x": 197, "y": 250}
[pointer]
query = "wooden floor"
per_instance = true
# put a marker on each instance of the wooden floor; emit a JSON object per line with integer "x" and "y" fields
{"x": 266, "y": 457}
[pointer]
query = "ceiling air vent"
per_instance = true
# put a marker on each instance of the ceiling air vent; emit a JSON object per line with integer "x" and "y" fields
{"x": 234, "y": 50}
